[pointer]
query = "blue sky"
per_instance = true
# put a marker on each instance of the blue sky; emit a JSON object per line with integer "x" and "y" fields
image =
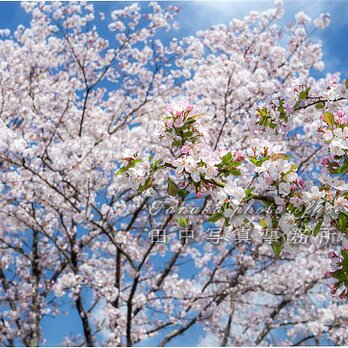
{"x": 197, "y": 15}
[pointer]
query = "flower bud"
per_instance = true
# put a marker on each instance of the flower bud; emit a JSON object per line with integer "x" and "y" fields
{"x": 328, "y": 274}
{"x": 185, "y": 150}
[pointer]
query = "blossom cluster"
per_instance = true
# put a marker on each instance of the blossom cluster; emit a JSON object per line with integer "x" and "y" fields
{"x": 214, "y": 174}
{"x": 339, "y": 272}
{"x": 75, "y": 105}
{"x": 197, "y": 166}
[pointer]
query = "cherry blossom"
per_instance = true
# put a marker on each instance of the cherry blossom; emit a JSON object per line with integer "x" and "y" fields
{"x": 106, "y": 141}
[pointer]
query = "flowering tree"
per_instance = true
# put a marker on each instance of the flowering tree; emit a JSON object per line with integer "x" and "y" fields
{"x": 91, "y": 165}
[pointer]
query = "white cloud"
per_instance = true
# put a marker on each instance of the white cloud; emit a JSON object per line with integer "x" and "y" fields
{"x": 197, "y": 14}
{"x": 208, "y": 340}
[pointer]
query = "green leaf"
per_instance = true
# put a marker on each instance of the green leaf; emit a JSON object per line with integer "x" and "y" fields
{"x": 249, "y": 192}
{"x": 317, "y": 227}
{"x": 187, "y": 135}
{"x": 347, "y": 83}
{"x": 176, "y": 142}
{"x": 156, "y": 164}
{"x": 215, "y": 217}
{"x": 344, "y": 253}
{"x": 121, "y": 170}
{"x": 342, "y": 222}
{"x": 182, "y": 221}
{"x": 253, "y": 160}
{"x": 303, "y": 95}
{"x": 172, "y": 188}
{"x": 197, "y": 115}
{"x": 329, "y": 118}
{"x": 319, "y": 106}
{"x": 263, "y": 223}
{"x": 234, "y": 164}
{"x": 339, "y": 275}
{"x": 258, "y": 162}
{"x": 183, "y": 193}
{"x": 263, "y": 112}
{"x": 278, "y": 247}
{"x": 340, "y": 170}
{"x": 227, "y": 158}
{"x": 278, "y": 156}
{"x": 146, "y": 185}
{"x": 235, "y": 172}
{"x": 134, "y": 162}
{"x": 190, "y": 121}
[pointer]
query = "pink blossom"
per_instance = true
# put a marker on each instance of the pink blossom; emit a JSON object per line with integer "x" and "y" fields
{"x": 268, "y": 179}
{"x": 239, "y": 156}
{"x": 322, "y": 21}
{"x": 299, "y": 182}
{"x": 328, "y": 135}
{"x": 342, "y": 120}
{"x": 328, "y": 274}
{"x": 341, "y": 117}
{"x": 169, "y": 108}
{"x": 185, "y": 150}
{"x": 325, "y": 161}
{"x": 179, "y": 122}
{"x": 61, "y": 200}
{"x": 169, "y": 123}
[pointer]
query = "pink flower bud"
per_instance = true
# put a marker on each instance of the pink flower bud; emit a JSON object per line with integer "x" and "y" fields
{"x": 325, "y": 161}
{"x": 328, "y": 274}
{"x": 209, "y": 186}
{"x": 178, "y": 113}
{"x": 185, "y": 150}
{"x": 340, "y": 113}
{"x": 169, "y": 123}
{"x": 189, "y": 108}
{"x": 239, "y": 156}
{"x": 199, "y": 194}
{"x": 342, "y": 120}
{"x": 299, "y": 182}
